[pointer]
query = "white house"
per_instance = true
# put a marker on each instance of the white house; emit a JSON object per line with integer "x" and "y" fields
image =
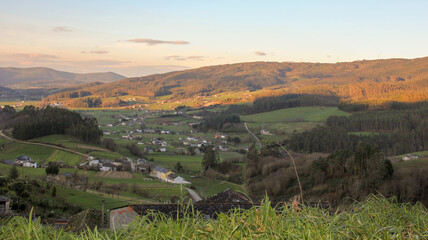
{"x": 94, "y": 163}
{"x": 30, "y": 164}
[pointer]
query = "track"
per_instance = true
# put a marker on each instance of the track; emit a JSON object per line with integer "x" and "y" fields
{"x": 254, "y": 135}
{"x": 42, "y": 144}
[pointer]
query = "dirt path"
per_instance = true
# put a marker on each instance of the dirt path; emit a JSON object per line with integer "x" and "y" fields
{"x": 194, "y": 195}
{"x": 42, "y": 144}
{"x": 254, "y": 135}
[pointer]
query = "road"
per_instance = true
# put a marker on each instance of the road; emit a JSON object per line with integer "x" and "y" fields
{"x": 42, "y": 144}
{"x": 254, "y": 135}
{"x": 194, "y": 195}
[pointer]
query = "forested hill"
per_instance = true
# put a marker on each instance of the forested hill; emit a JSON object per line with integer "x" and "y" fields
{"x": 391, "y": 79}
{"x": 46, "y": 77}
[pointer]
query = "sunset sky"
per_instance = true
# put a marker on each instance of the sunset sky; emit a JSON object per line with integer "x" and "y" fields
{"x": 137, "y": 38}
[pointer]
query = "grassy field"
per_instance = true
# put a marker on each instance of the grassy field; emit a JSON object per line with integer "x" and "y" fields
{"x": 285, "y": 121}
{"x": 191, "y": 164}
{"x": 39, "y": 154}
{"x": 374, "y": 218}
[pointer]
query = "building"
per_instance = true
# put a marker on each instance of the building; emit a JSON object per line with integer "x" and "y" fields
{"x": 160, "y": 173}
{"x": 410, "y": 157}
{"x": 172, "y": 178}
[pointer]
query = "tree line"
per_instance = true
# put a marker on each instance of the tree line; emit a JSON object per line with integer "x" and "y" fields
{"x": 271, "y": 103}
{"x": 393, "y": 131}
{"x": 41, "y": 122}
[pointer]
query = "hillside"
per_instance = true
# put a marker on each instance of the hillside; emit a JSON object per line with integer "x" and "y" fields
{"x": 49, "y": 78}
{"x": 374, "y": 80}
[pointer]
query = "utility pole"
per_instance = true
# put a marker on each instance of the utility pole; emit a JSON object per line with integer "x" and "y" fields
{"x": 102, "y": 213}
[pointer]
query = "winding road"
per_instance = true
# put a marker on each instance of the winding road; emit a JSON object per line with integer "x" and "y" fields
{"x": 254, "y": 135}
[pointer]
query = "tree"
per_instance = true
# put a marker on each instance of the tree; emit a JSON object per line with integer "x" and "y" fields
{"x": 110, "y": 144}
{"x": 210, "y": 159}
{"x": 178, "y": 167}
{"x": 52, "y": 169}
{"x": 191, "y": 151}
{"x": 253, "y": 155}
{"x": 13, "y": 173}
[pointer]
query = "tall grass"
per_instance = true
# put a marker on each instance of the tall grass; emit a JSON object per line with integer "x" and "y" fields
{"x": 374, "y": 218}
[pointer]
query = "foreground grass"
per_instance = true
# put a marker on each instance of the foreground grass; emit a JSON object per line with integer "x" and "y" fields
{"x": 375, "y": 218}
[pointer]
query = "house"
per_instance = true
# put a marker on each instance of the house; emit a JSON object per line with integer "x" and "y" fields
{"x": 9, "y": 162}
{"x": 164, "y": 144}
{"x": 148, "y": 149}
{"x": 265, "y": 132}
{"x": 410, "y": 157}
{"x": 30, "y": 164}
{"x": 108, "y": 167}
{"x": 94, "y": 163}
{"x": 172, "y": 178}
{"x": 160, "y": 173}
{"x": 223, "y": 148}
{"x": 162, "y": 149}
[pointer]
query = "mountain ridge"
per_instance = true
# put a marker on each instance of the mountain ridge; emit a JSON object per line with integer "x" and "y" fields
{"x": 41, "y": 77}
{"x": 384, "y": 80}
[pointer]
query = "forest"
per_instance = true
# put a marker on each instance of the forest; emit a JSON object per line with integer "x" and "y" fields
{"x": 34, "y": 122}
{"x": 217, "y": 122}
{"x": 271, "y": 103}
{"x": 394, "y": 131}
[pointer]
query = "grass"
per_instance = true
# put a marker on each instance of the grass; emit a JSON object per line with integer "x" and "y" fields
{"x": 285, "y": 121}
{"x": 192, "y": 164}
{"x": 374, "y": 218}
{"x": 88, "y": 200}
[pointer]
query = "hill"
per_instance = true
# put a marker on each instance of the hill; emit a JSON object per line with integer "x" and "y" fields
{"x": 374, "y": 80}
{"x": 48, "y": 78}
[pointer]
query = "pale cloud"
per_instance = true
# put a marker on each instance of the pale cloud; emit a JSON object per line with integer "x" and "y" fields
{"x": 32, "y": 56}
{"x": 103, "y": 62}
{"x": 62, "y": 29}
{"x": 183, "y": 58}
{"x": 152, "y": 42}
{"x": 258, "y": 53}
{"x": 96, "y": 52}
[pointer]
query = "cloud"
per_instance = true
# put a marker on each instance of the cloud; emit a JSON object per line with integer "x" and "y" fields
{"x": 199, "y": 58}
{"x": 62, "y": 29}
{"x": 103, "y": 62}
{"x": 152, "y": 42}
{"x": 32, "y": 55}
{"x": 182, "y": 58}
{"x": 96, "y": 52}
{"x": 258, "y": 53}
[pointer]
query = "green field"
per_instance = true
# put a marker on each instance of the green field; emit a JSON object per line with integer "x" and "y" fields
{"x": 40, "y": 154}
{"x": 285, "y": 121}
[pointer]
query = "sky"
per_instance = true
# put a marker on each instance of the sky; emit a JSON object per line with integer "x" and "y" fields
{"x": 138, "y": 38}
